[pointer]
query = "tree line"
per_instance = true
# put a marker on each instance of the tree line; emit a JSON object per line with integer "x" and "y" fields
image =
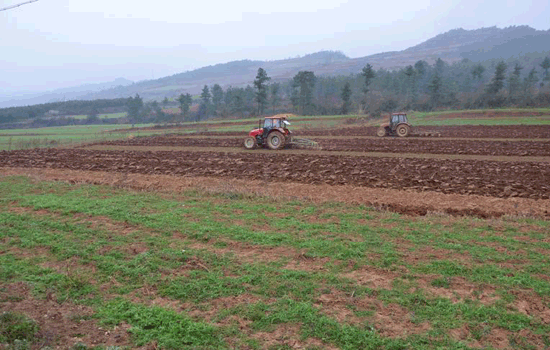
{"x": 53, "y": 109}
{"x": 424, "y": 87}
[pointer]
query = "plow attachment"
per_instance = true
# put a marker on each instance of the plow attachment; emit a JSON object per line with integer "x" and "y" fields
{"x": 427, "y": 133}
{"x": 304, "y": 143}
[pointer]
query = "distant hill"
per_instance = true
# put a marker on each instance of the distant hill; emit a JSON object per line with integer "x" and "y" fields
{"x": 452, "y": 46}
{"x": 71, "y": 93}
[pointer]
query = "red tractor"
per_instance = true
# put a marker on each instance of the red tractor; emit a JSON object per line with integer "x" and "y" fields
{"x": 274, "y": 134}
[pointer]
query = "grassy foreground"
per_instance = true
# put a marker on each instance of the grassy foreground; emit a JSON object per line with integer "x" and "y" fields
{"x": 227, "y": 270}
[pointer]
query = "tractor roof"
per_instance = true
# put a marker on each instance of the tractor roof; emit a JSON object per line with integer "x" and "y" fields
{"x": 279, "y": 116}
{"x": 399, "y": 113}
{"x": 276, "y": 117}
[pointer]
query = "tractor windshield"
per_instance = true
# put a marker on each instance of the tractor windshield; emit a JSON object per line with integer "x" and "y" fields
{"x": 398, "y": 118}
{"x": 268, "y": 123}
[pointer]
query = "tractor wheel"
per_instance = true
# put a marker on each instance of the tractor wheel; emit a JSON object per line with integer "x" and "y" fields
{"x": 275, "y": 140}
{"x": 382, "y": 132}
{"x": 402, "y": 131}
{"x": 250, "y": 142}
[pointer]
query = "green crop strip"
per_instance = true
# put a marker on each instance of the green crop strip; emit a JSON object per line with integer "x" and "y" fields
{"x": 212, "y": 218}
{"x": 88, "y": 236}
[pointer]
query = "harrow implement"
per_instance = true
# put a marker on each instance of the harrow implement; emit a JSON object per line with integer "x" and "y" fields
{"x": 304, "y": 143}
{"x": 427, "y": 133}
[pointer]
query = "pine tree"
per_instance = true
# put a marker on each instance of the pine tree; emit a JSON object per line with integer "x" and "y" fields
{"x": 435, "y": 88}
{"x": 420, "y": 67}
{"x": 135, "y": 105}
{"x": 205, "y": 103}
{"x": 529, "y": 82}
{"x": 513, "y": 80}
{"x": 477, "y": 72}
{"x": 302, "y": 91}
{"x": 346, "y": 98}
{"x": 217, "y": 97}
{"x": 440, "y": 66}
{"x": 369, "y": 74}
{"x": 498, "y": 79}
{"x": 411, "y": 84}
{"x": 546, "y": 65}
{"x": 261, "y": 90}
{"x": 185, "y": 104}
{"x": 275, "y": 98}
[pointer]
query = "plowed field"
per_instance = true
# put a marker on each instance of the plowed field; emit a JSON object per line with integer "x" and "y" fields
{"x": 391, "y": 145}
{"x": 461, "y": 131}
{"x": 507, "y": 168}
{"x": 497, "y": 179}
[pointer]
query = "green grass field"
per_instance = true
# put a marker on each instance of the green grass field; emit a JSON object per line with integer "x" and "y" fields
{"x": 100, "y": 116}
{"x": 531, "y": 116}
{"x": 339, "y": 275}
{"x": 65, "y": 135}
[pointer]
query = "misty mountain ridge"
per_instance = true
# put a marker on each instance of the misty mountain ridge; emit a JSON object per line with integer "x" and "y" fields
{"x": 62, "y": 94}
{"x": 452, "y": 46}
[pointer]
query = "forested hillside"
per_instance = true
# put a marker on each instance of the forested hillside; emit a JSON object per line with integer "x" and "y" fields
{"x": 476, "y": 45}
{"x": 520, "y": 80}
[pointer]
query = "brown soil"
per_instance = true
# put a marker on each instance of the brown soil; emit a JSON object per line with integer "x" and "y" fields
{"x": 390, "y": 320}
{"x": 372, "y": 277}
{"x": 64, "y": 324}
{"x": 388, "y": 145}
{"x": 531, "y": 304}
{"x": 246, "y": 252}
{"x": 495, "y": 179}
{"x": 462, "y": 131}
{"x": 459, "y": 131}
{"x": 289, "y": 151}
{"x": 289, "y": 335}
{"x": 459, "y": 289}
{"x": 406, "y": 202}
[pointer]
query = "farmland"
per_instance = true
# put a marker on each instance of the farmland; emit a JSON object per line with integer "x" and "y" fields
{"x": 186, "y": 240}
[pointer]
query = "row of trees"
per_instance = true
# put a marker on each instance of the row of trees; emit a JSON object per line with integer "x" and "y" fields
{"x": 51, "y": 110}
{"x": 463, "y": 84}
{"x": 421, "y": 86}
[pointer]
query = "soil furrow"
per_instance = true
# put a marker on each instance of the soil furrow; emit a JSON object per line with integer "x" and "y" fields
{"x": 389, "y": 145}
{"x": 496, "y": 179}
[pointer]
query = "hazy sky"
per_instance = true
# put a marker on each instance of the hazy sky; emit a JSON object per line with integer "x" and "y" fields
{"x": 58, "y": 43}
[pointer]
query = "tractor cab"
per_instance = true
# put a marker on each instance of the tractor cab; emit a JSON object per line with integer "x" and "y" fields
{"x": 273, "y": 133}
{"x": 397, "y": 125}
